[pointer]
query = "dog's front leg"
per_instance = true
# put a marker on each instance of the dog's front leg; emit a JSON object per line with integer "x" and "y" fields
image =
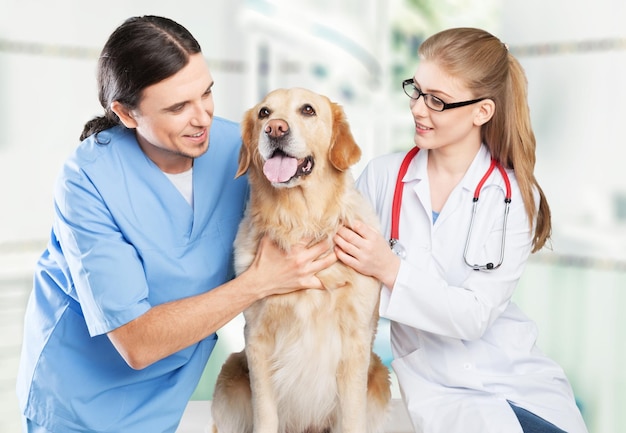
{"x": 264, "y": 407}
{"x": 352, "y": 384}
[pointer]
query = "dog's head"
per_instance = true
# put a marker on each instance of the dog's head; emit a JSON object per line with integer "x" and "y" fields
{"x": 293, "y": 133}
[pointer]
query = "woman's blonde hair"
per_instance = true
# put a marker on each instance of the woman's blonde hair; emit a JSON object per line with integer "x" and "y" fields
{"x": 489, "y": 70}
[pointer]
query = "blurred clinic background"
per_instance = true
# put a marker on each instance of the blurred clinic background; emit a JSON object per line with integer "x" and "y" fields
{"x": 356, "y": 52}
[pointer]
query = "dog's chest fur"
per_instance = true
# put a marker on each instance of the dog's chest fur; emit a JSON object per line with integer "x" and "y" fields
{"x": 308, "y": 329}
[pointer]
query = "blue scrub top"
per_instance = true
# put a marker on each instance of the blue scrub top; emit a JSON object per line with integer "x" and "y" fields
{"x": 124, "y": 239}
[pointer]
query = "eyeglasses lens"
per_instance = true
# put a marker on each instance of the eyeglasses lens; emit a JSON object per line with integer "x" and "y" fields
{"x": 431, "y": 101}
{"x": 410, "y": 90}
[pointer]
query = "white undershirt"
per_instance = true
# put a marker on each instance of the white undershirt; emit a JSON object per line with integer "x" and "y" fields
{"x": 184, "y": 183}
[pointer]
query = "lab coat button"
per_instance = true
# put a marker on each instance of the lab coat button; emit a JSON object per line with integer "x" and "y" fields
{"x": 467, "y": 366}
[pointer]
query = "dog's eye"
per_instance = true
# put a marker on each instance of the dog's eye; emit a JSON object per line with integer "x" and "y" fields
{"x": 307, "y": 110}
{"x": 264, "y": 113}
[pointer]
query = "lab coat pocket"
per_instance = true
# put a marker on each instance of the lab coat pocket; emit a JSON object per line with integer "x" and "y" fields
{"x": 509, "y": 348}
{"x": 449, "y": 366}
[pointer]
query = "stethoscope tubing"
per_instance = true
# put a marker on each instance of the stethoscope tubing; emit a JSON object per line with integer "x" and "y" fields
{"x": 397, "y": 203}
{"x": 507, "y": 201}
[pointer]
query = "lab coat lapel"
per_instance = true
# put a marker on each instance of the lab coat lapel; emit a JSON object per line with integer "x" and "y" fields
{"x": 417, "y": 172}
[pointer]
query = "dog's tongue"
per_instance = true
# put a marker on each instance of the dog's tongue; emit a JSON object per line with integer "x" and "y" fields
{"x": 280, "y": 168}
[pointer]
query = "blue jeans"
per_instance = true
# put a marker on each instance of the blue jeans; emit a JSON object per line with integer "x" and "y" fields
{"x": 531, "y": 423}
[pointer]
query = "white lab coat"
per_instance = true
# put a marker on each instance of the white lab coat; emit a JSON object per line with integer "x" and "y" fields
{"x": 461, "y": 347}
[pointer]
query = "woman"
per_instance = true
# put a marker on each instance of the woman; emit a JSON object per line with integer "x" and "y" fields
{"x": 464, "y": 354}
{"x": 137, "y": 276}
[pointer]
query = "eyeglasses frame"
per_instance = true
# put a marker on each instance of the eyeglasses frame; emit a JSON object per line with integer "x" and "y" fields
{"x": 446, "y": 106}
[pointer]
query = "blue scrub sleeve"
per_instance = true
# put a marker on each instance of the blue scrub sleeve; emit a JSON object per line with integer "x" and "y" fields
{"x": 108, "y": 276}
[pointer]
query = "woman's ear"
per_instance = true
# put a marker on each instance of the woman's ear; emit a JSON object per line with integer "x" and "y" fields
{"x": 486, "y": 110}
{"x": 124, "y": 113}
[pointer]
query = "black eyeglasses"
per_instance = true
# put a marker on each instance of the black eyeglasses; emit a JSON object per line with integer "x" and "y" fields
{"x": 432, "y": 102}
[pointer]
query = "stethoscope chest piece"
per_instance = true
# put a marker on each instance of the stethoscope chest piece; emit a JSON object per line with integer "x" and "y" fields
{"x": 397, "y": 248}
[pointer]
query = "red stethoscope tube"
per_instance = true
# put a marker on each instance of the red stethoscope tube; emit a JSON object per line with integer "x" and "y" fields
{"x": 397, "y": 203}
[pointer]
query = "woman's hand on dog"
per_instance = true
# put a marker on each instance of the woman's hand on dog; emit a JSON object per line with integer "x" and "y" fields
{"x": 277, "y": 272}
{"x": 366, "y": 251}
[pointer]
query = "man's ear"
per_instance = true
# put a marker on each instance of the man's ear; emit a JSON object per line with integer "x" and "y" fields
{"x": 124, "y": 113}
{"x": 486, "y": 110}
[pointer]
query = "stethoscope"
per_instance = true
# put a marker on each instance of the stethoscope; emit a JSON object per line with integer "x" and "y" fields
{"x": 399, "y": 249}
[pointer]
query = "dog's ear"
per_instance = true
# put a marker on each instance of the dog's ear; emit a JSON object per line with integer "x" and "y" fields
{"x": 344, "y": 152}
{"x": 247, "y": 134}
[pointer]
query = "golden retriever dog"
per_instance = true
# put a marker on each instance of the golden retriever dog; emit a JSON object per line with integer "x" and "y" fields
{"x": 308, "y": 364}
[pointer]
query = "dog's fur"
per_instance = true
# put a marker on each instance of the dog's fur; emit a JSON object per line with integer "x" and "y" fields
{"x": 308, "y": 365}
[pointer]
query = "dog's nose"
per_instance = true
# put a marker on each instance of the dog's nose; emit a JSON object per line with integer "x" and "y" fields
{"x": 277, "y": 128}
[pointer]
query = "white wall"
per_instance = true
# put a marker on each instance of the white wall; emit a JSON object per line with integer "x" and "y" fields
{"x": 574, "y": 54}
